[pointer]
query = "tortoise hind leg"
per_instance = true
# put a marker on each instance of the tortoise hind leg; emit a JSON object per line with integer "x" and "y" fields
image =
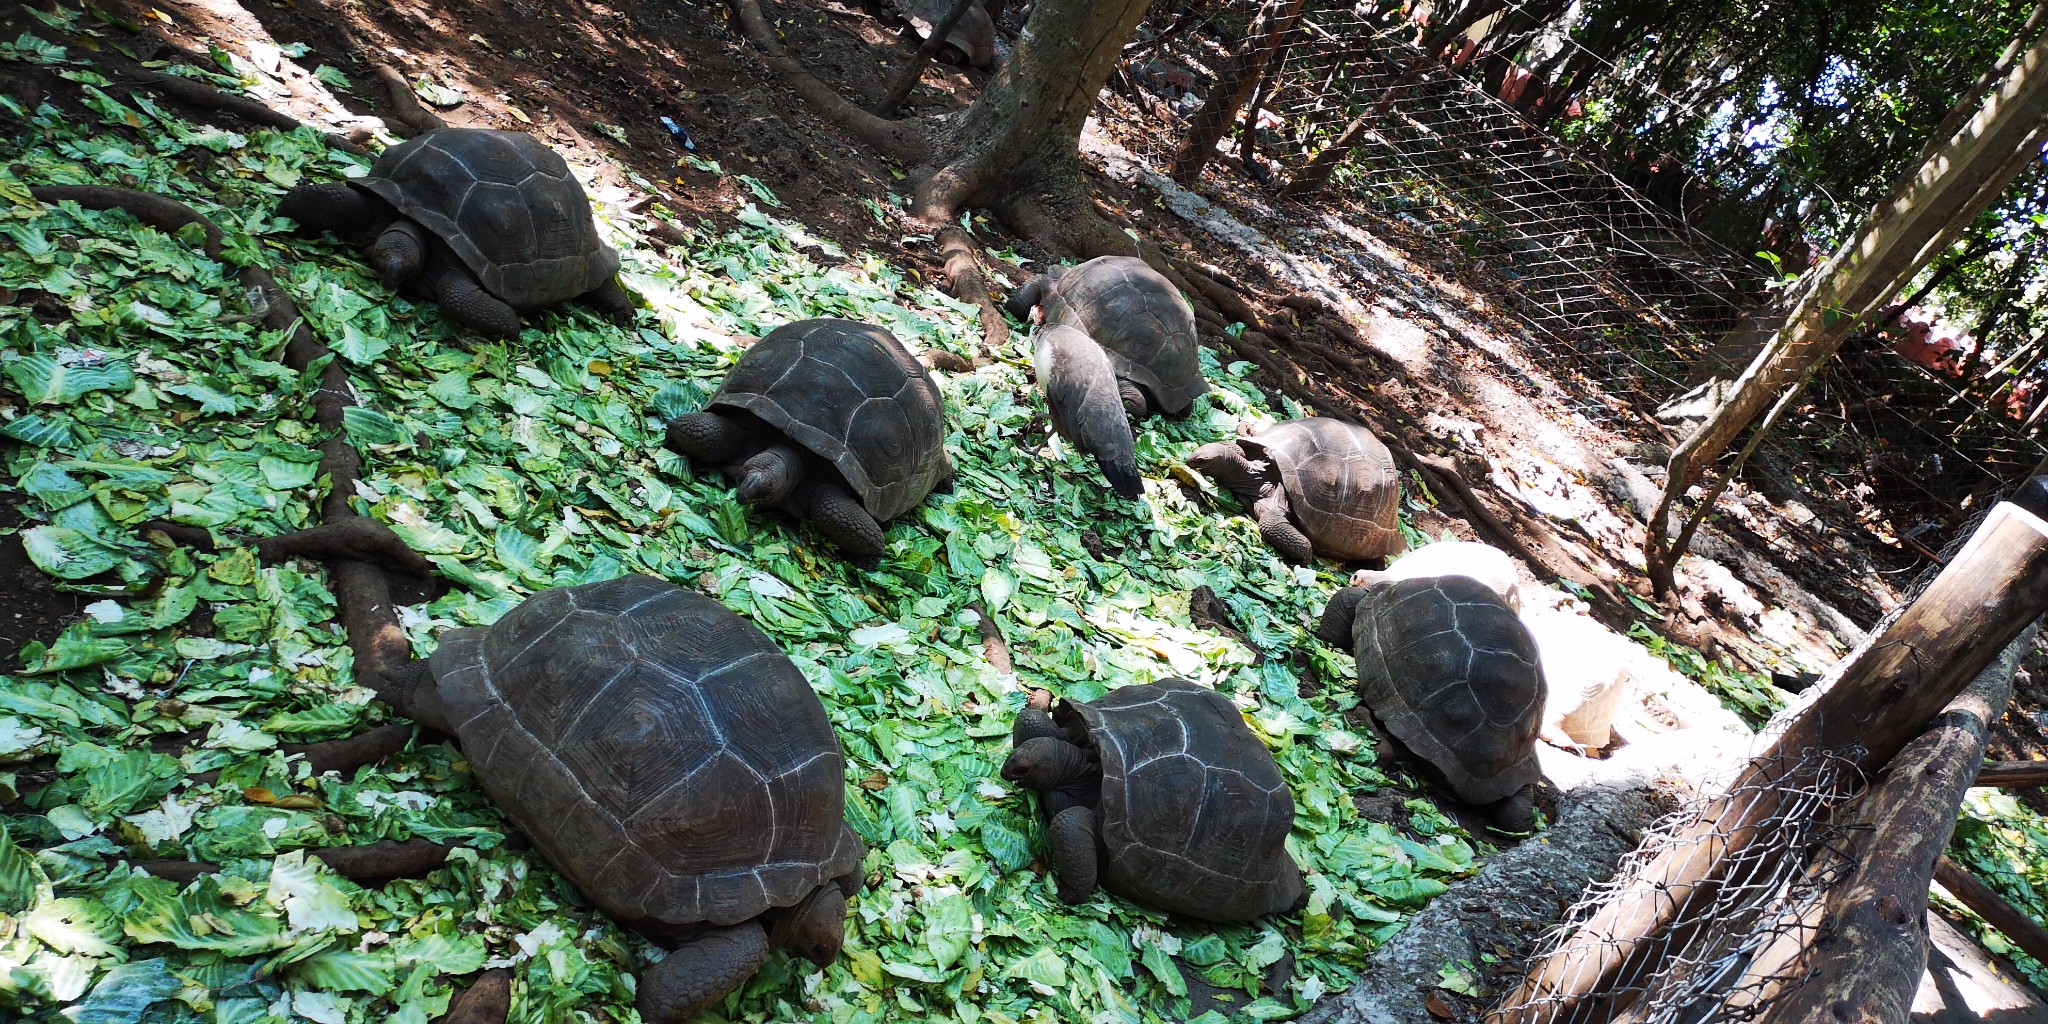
{"x": 1073, "y": 853}
{"x": 464, "y": 301}
{"x": 816, "y": 928}
{"x": 610, "y": 299}
{"x": 1286, "y": 538}
{"x": 701, "y": 972}
{"x": 833, "y": 510}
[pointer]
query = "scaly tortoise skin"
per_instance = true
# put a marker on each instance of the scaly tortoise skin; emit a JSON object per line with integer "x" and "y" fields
{"x": 666, "y": 757}
{"x": 1453, "y": 674}
{"x": 1337, "y": 488}
{"x": 1139, "y": 318}
{"x": 506, "y": 204}
{"x": 1192, "y": 815}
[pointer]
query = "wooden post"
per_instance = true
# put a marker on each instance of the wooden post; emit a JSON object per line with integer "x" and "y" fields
{"x": 1970, "y": 891}
{"x": 1880, "y": 698}
{"x": 1862, "y": 960}
{"x": 2013, "y": 774}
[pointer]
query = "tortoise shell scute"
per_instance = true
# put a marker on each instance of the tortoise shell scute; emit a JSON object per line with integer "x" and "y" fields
{"x": 660, "y": 751}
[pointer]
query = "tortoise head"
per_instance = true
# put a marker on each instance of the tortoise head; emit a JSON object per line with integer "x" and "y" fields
{"x": 1046, "y": 763}
{"x": 771, "y": 477}
{"x": 1225, "y": 462}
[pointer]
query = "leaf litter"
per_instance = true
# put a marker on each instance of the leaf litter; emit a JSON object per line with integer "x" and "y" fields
{"x": 517, "y": 467}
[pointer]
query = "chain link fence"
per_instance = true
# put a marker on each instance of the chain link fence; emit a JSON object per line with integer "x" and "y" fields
{"x": 1738, "y": 940}
{"x": 1619, "y": 261}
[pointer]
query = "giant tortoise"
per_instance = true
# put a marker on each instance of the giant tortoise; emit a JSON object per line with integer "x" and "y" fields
{"x": 1128, "y": 348}
{"x": 489, "y": 224}
{"x": 831, "y": 420}
{"x": 1453, "y": 675}
{"x": 1316, "y": 486}
{"x": 1161, "y": 792}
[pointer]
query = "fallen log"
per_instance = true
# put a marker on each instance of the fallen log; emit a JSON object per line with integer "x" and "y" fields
{"x": 1985, "y": 902}
{"x": 1869, "y": 945}
{"x": 2013, "y": 774}
{"x": 1504, "y": 907}
{"x": 1878, "y": 700}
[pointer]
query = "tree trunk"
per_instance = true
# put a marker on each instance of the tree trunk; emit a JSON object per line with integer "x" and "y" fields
{"x": 1879, "y": 699}
{"x": 1016, "y": 151}
{"x": 1897, "y": 240}
{"x": 1865, "y": 963}
{"x": 1262, "y": 42}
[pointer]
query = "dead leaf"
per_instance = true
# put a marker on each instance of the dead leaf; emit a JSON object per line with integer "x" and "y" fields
{"x": 1438, "y": 1006}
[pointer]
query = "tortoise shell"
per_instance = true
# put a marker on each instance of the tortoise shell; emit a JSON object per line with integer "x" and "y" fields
{"x": 1451, "y": 671}
{"x": 852, "y": 394}
{"x": 1139, "y": 318}
{"x": 1341, "y": 485}
{"x": 660, "y": 751}
{"x": 974, "y": 35}
{"x": 505, "y": 204}
{"x": 1194, "y": 816}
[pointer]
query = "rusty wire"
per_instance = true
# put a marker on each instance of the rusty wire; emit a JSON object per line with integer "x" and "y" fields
{"x": 1727, "y": 957}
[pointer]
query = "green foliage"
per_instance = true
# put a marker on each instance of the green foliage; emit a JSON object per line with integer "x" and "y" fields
{"x": 523, "y": 466}
{"x": 1750, "y": 695}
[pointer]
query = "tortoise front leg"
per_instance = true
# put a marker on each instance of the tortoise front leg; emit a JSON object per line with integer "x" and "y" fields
{"x": 1516, "y": 812}
{"x": 1271, "y": 512}
{"x": 1133, "y": 396}
{"x": 713, "y": 439}
{"x": 700, "y": 973}
{"x": 1073, "y": 853}
{"x": 1338, "y": 619}
{"x": 464, "y": 301}
{"x": 833, "y": 510}
{"x": 816, "y": 928}
{"x": 612, "y": 300}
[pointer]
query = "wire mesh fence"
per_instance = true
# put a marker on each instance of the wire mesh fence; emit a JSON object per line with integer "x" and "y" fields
{"x": 1620, "y": 260}
{"x": 1731, "y": 944}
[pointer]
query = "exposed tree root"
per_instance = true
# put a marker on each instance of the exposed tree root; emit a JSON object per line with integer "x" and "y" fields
{"x": 963, "y": 272}
{"x": 904, "y": 141}
{"x": 200, "y": 94}
{"x": 993, "y": 647}
{"x": 488, "y": 1001}
{"x": 372, "y": 864}
{"x": 1208, "y": 611}
{"x": 405, "y": 104}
